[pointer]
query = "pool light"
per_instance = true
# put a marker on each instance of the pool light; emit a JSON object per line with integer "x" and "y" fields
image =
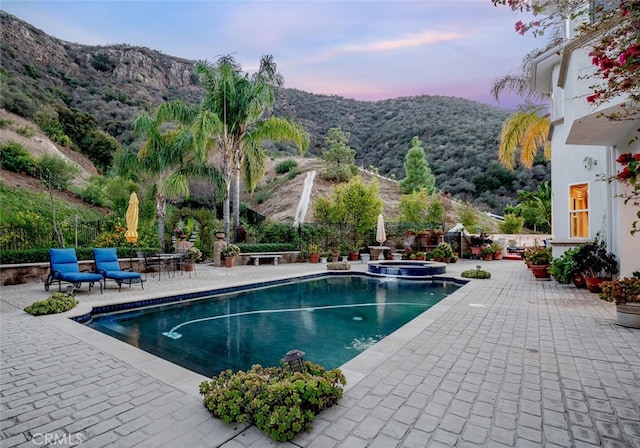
{"x": 294, "y": 359}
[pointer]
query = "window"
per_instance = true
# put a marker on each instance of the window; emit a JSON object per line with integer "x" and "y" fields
{"x": 579, "y": 211}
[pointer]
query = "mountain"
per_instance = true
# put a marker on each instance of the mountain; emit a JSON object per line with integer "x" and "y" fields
{"x": 112, "y": 84}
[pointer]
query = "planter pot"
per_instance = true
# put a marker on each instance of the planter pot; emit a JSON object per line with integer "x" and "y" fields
{"x": 229, "y": 261}
{"x": 594, "y": 284}
{"x": 314, "y": 258}
{"x": 475, "y": 251}
{"x": 488, "y": 257}
{"x": 453, "y": 260}
{"x": 628, "y": 315}
{"x": 497, "y": 255}
{"x": 578, "y": 281}
{"x": 353, "y": 256}
{"x": 541, "y": 271}
{"x": 365, "y": 258}
{"x": 397, "y": 257}
{"x": 323, "y": 260}
{"x": 220, "y": 235}
{"x": 189, "y": 265}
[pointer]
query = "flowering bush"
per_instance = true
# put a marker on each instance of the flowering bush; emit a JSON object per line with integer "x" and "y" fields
{"x": 615, "y": 52}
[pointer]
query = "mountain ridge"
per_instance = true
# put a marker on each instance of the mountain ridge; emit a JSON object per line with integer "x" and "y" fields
{"x": 114, "y": 83}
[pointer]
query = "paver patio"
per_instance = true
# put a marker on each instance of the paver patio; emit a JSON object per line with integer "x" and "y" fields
{"x": 503, "y": 362}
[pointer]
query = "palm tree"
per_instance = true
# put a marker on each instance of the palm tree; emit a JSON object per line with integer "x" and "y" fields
{"x": 240, "y": 102}
{"x": 535, "y": 206}
{"x": 528, "y": 128}
{"x": 168, "y": 158}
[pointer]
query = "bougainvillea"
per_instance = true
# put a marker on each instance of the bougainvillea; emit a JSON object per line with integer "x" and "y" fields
{"x": 615, "y": 43}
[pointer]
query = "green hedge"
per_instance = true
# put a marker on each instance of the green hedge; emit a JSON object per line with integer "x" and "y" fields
{"x": 267, "y": 247}
{"x": 42, "y": 255}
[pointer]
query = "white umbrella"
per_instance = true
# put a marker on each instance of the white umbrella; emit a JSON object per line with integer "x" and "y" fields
{"x": 381, "y": 235}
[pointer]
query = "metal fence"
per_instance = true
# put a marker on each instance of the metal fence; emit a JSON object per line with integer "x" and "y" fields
{"x": 75, "y": 234}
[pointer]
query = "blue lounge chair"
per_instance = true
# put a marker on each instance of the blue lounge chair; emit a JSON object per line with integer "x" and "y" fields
{"x": 108, "y": 266}
{"x": 65, "y": 268}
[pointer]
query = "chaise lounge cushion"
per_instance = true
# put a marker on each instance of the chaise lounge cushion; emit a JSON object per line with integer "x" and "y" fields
{"x": 107, "y": 265}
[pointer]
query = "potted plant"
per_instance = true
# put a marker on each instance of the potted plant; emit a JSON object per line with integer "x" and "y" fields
{"x": 446, "y": 251}
{"x": 486, "y": 253}
{"x": 314, "y": 253}
{"x": 539, "y": 260}
{"x": 420, "y": 255}
{"x": 192, "y": 255}
{"x": 229, "y": 254}
{"x": 596, "y": 263}
{"x": 497, "y": 250}
{"x": 437, "y": 254}
{"x": 625, "y": 292}
{"x": 563, "y": 268}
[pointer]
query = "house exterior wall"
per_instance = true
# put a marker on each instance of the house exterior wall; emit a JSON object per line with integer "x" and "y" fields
{"x": 574, "y": 119}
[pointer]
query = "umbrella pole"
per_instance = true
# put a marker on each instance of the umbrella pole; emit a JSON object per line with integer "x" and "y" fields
{"x": 131, "y": 256}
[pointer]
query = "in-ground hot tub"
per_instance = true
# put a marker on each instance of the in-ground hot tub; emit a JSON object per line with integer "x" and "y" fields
{"x": 407, "y": 268}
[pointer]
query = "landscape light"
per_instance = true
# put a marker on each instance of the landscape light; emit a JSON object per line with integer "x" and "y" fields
{"x": 294, "y": 359}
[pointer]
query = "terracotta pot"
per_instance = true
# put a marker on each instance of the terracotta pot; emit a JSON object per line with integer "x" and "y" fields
{"x": 594, "y": 283}
{"x": 578, "y": 281}
{"x": 189, "y": 265}
{"x": 497, "y": 255}
{"x": 229, "y": 261}
{"x": 314, "y": 258}
{"x": 628, "y": 315}
{"x": 541, "y": 271}
{"x": 488, "y": 257}
{"x": 353, "y": 256}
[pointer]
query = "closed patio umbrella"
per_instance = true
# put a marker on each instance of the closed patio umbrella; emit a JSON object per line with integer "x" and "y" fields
{"x": 132, "y": 224}
{"x": 381, "y": 235}
{"x": 132, "y": 219}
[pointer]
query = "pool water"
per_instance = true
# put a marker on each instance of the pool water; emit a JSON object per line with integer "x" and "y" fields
{"x": 331, "y": 319}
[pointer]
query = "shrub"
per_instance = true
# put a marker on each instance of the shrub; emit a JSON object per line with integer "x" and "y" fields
{"x": 266, "y": 247}
{"x": 17, "y": 159}
{"x": 512, "y": 224}
{"x": 622, "y": 290}
{"x": 278, "y": 401}
{"x": 285, "y": 166}
{"x": 338, "y": 266}
{"x": 475, "y": 273}
{"x": 26, "y": 131}
{"x": 230, "y": 251}
{"x": 57, "y": 303}
{"x": 55, "y": 172}
{"x": 563, "y": 268}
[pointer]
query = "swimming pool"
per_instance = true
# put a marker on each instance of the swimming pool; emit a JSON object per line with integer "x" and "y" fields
{"x": 331, "y": 318}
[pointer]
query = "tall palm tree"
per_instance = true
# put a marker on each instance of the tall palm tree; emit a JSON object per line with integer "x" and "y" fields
{"x": 168, "y": 158}
{"x": 526, "y": 129}
{"x": 240, "y": 102}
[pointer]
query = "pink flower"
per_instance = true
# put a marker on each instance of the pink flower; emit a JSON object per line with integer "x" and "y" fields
{"x": 593, "y": 98}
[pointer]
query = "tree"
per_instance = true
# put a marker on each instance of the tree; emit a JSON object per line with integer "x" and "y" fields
{"x": 418, "y": 174}
{"x": 339, "y": 159}
{"x": 167, "y": 159}
{"x": 421, "y": 209}
{"x": 526, "y": 130}
{"x": 240, "y": 102}
{"x": 354, "y": 204}
{"x": 535, "y": 207}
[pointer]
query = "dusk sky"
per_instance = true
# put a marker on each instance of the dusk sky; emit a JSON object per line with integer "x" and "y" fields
{"x": 366, "y": 50}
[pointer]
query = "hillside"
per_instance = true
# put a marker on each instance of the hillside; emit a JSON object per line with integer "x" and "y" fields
{"x": 110, "y": 85}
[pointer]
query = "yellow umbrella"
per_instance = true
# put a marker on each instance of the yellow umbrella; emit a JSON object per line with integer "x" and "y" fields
{"x": 132, "y": 219}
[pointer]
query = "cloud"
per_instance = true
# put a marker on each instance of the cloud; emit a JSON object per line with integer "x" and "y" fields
{"x": 417, "y": 40}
